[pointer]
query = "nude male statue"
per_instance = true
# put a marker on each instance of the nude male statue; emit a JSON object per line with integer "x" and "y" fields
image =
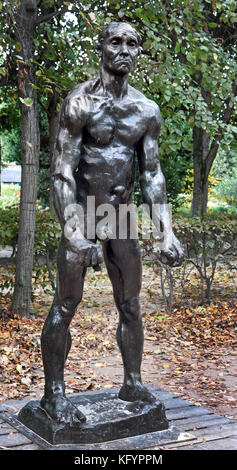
{"x": 105, "y": 124}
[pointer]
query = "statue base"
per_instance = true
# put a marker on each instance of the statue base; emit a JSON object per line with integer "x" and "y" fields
{"x": 107, "y": 418}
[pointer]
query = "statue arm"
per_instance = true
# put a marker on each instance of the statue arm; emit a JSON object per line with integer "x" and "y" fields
{"x": 153, "y": 189}
{"x": 152, "y": 180}
{"x": 66, "y": 158}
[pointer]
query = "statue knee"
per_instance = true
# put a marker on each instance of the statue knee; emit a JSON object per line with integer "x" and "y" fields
{"x": 130, "y": 310}
{"x": 68, "y": 308}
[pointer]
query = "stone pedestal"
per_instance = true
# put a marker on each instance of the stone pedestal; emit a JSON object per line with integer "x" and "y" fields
{"x": 107, "y": 418}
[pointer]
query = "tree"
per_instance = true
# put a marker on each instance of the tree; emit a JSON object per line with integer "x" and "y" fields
{"x": 64, "y": 57}
{"x": 22, "y": 36}
{"x": 23, "y": 20}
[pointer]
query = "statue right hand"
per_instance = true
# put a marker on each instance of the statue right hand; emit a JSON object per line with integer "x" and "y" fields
{"x": 89, "y": 253}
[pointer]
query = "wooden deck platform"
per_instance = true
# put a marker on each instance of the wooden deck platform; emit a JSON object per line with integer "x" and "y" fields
{"x": 208, "y": 431}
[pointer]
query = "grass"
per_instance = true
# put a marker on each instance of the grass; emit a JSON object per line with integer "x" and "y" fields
{"x": 10, "y": 195}
{"x": 215, "y": 206}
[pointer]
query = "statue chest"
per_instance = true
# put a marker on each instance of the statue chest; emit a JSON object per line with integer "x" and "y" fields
{"x": 121, "y": 120}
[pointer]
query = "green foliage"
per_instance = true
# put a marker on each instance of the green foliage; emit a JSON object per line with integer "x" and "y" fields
{"x": 9, "y": 225}
{"x": 9, "y": 127}
{"x": 65, "y": 52}
{"x": 189, "y": 69}
{"x": 188, "y": 66}
{"x": 228, "y": 188}
{"x": 48, "y": 231}
{"x": 44, "y": 185}
{"x": 198, "y": 233}
{"x": 10, "y": 195}
{"x": 11, "y": 146}
{"x": 44, "y": 161}
{"x": 225, "y": 169}
{"x": 175, "y": 168}
{"x": 47, "y": 236}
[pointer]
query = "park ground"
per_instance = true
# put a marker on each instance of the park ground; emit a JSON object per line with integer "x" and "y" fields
{"x": 190, "y": 352}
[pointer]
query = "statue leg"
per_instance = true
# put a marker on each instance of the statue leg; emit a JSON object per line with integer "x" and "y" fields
{"x": 56, "y": 339}
{"x": 123, "y": 262}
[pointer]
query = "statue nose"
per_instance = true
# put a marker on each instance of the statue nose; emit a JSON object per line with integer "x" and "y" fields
{"x": 124, "y": 50}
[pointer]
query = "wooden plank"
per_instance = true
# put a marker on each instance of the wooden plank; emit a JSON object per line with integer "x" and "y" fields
{"x": 189, "y": 424}
{"x": 13, "y": 405}
{"x": 186, "y": 412}
{"x": 172, "y": 403}
{"x": 211, "y": 433}
{"x": 13, "y": 439}
{"x": 26, "y": 447}
{"x": 214, "y": 432}
{"x": 163, "y": 394}
{"x": 5, "y": 428}
{"x": 220, "y": 444}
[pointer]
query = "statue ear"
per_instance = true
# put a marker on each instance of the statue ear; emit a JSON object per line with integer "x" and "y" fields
{"x": 98, "y": 50}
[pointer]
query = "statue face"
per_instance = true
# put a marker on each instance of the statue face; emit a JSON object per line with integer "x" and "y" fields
{"x": 120, "y": 50}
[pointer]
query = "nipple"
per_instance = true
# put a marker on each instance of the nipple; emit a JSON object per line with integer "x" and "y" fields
{"x": 118, "y": 190}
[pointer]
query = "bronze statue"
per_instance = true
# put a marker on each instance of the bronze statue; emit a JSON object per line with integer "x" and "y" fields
{"x": 104, "y": 125}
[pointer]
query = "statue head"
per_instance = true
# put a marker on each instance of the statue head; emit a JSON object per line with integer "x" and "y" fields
{"x": 119, "y": 46}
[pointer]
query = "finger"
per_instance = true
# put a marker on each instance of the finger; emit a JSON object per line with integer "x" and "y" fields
{"x": 178, "y": 254}
{"x": 94, "y": 258}
{"x": 180, "y": 258}
{"x": 164, "y": 259}
{"x": 99, "y": 255}
{"x": 87, "y": 257}
{"x": 176, "y": 263}
{"x": 170, "y": 255}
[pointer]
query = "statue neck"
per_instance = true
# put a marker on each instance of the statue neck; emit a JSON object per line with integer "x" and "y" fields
{"x": 114, "y": 85}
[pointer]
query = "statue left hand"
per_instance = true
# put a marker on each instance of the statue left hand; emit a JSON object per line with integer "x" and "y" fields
{"x": 171, "y": 252}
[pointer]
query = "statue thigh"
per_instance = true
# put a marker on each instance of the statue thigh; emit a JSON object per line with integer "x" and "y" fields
{"x": 123, "y": 262}
{"x": 70, "y": 282}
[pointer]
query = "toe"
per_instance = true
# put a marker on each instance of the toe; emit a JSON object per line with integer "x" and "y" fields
{"x": 80, "y": 416}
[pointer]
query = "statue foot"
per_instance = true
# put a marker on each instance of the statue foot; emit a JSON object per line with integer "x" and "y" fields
{"x": 136, "y": 392}
{"x": 62, "y": 410}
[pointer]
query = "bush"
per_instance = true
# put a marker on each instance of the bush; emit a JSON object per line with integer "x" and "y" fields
{"x": 9, "y": 222}
{"x": 47, "y": 229}
{"x": 228, "y": 188}
{"x": 47, "y": 235}
{"x": 206, "y": 243}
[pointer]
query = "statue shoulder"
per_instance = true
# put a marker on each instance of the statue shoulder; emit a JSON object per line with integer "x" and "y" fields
{"x": 155, "y": 115}
{"x": 77, "y": 104}
{"x": 151, "y": 108}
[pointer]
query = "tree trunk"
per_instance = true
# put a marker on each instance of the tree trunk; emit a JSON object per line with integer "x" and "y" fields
{"x": 204, "y": 154}
{"x": 201, "y": 143}
{"x": 25, "y": 27}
